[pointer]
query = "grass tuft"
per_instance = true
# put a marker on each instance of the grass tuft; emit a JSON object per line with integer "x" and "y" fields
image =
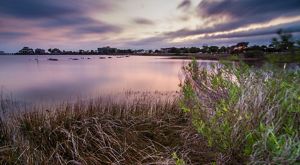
{"x": 145, "y": 130}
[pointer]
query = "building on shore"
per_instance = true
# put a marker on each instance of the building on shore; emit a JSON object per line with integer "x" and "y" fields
{"x": 239, "y": 47}
{"x": 2, "y": 53}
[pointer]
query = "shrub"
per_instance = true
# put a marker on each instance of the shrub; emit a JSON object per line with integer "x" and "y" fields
{"x": 248, "y": 114}
{"x": 254, "y": 54}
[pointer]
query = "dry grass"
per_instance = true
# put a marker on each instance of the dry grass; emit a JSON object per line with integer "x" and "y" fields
{"x": 144, "y": 130}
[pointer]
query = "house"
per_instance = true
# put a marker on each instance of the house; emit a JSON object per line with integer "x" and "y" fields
{"x": 240, "y": 47}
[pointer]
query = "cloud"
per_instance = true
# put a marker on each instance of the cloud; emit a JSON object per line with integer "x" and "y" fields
{"x": 292, "y": 27}
{"x": 150, "y": 42}
{"x": 97, "y": 29}
{"x": 143, "y": 21}
{"x": 91, "y": 22}
{"x": 12, "y": 35}
{"x": 41, "y": 9}
{"x": 185, "y": 4}
{"x": 238, "y": 14}
{"x": 33, "y": 9}
{"x": 56, "y": 15}
{"x": 242, "y": 13}
{"x": 249, "y": 8}
{"x": 63, "y": 21}
{"x": 81, "y": 25}
{"x": 53, "y": 13}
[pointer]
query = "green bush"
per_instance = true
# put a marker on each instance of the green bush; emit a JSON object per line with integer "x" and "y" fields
{"x": 254, "y": 54}
{"x": 248, "y": 114}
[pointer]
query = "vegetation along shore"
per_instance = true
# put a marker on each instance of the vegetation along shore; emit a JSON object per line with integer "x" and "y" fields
{"x": 150, "y": 82}
{"x": 234, "y": 114}
{"x": 229, "y": 113}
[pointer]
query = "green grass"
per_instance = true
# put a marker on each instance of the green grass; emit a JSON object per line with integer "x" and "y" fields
{"x": 283, "y": 58}
{"x": 250, "y": 115}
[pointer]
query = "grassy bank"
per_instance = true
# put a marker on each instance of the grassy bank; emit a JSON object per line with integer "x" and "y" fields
{"x": 283, "y": 58}
{"x": 234, "y": 114}
{"x": 145, "y": 130}
{"x": 252, "y": 56}
{"x": 249, "y": 115}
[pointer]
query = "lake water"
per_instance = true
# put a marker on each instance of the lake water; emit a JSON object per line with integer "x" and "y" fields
{"x": 28, "y": 80}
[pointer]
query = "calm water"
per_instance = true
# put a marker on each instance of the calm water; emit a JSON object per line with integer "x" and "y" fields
{"x": 28, "y": 80}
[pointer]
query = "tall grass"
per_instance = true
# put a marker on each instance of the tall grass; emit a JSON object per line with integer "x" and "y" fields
{"x": 250, "y": 115}
{"x": 230, "y": 114}
{"x": 145, "y": 130}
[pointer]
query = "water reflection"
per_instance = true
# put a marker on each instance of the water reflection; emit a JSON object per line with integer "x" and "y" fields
{"x": 66, "y": 79}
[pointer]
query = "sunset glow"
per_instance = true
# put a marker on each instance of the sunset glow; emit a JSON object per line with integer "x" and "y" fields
{"x": 71, "y": 24}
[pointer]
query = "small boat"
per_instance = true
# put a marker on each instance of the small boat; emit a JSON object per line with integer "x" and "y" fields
{"x": 75, "y": 59}
{"x": 127, "y": 56}
{"x": 52, "y": 59}
{"x": 101, "y": 57}
{"x": 88, "y": 58}
{"x": 109, "y": 57}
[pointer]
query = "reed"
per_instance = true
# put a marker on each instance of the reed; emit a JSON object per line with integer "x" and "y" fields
{"x": 144, "y": 130}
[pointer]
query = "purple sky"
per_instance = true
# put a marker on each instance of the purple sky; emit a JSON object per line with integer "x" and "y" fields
{"x": 149, "y": 24}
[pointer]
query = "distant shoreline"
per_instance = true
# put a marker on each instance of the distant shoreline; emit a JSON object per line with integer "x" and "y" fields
{"x": 270, "y": 57}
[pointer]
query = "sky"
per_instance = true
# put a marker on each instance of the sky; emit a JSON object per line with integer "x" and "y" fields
{"x": 147, "y": 24}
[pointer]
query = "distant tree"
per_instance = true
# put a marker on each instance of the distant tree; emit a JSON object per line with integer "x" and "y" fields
{"x": 213, "y": 49}
{"x": 254, "y": 54}
{"x": 128, "y": 51}
{"x": 264, "y": 48}
{"x": 184, "y": 50}
{"x": 284, "y": 42}
{"x": 175, "y": 50}
{"x": 255, "y": 47}
{"x": 55, "y": 51}
{"x": 255, "y": 51}
{"x": 194, "y": 50}
{"x": 223, "y": 49}
{"x": 205, "y": 49}
{"x": 81, "y": 51}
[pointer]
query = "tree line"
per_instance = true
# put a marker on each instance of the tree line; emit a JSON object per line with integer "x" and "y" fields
{"x": 284, "y": 42}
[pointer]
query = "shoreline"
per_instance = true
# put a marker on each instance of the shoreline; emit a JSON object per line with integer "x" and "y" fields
{"x": 270, "y": 57}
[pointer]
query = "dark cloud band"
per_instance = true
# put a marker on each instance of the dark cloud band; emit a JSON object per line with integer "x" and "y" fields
{"x": 143, "y": 21}
{"x": 185, "y": 4}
